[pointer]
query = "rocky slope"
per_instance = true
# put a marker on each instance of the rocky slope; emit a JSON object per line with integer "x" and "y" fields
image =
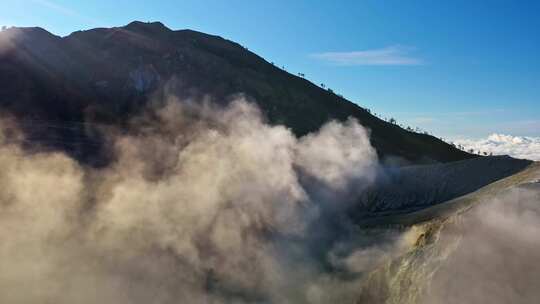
{"x": 411, "y": 188}
{"x": 479, "y": 248}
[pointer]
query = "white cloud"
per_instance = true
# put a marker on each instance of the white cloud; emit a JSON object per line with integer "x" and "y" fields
{"x": 391, "y": 55}
{"x": 500, "y": 144}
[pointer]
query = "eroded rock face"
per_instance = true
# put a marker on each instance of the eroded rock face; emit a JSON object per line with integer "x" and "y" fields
{"x": 407, "y": 189}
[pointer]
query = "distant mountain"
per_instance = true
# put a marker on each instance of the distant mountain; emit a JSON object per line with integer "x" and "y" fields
{"x": 105, "y": 75}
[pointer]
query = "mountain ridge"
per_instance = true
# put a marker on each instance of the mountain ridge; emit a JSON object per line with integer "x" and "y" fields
{"x": 106, "y": 75}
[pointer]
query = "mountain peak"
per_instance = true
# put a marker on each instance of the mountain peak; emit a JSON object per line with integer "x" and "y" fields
{"x": 28, "y": 31}
{"x": 147, "y": 26}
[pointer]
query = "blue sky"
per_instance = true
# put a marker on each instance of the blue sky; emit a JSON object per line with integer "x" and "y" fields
{"x": 455, "y": 68}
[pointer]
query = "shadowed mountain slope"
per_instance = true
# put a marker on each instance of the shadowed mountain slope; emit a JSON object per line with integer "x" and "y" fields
{"x": 105, "y": 75}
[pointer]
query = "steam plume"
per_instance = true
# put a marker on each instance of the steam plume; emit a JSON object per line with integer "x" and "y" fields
{"x": 202, "y": 205}
{"x": 496, "y": 260}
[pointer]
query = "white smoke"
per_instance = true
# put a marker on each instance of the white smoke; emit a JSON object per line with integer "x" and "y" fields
{"x": 498, "y": 253}
{"x": 202, "y": 205}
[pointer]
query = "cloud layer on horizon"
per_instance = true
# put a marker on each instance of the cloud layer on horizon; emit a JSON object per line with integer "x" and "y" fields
{"x": 500, "y": 144}
{"x": 390, "y": 55}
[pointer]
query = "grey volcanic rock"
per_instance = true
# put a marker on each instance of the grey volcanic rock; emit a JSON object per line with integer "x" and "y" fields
{"x": 407, "y": 189}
